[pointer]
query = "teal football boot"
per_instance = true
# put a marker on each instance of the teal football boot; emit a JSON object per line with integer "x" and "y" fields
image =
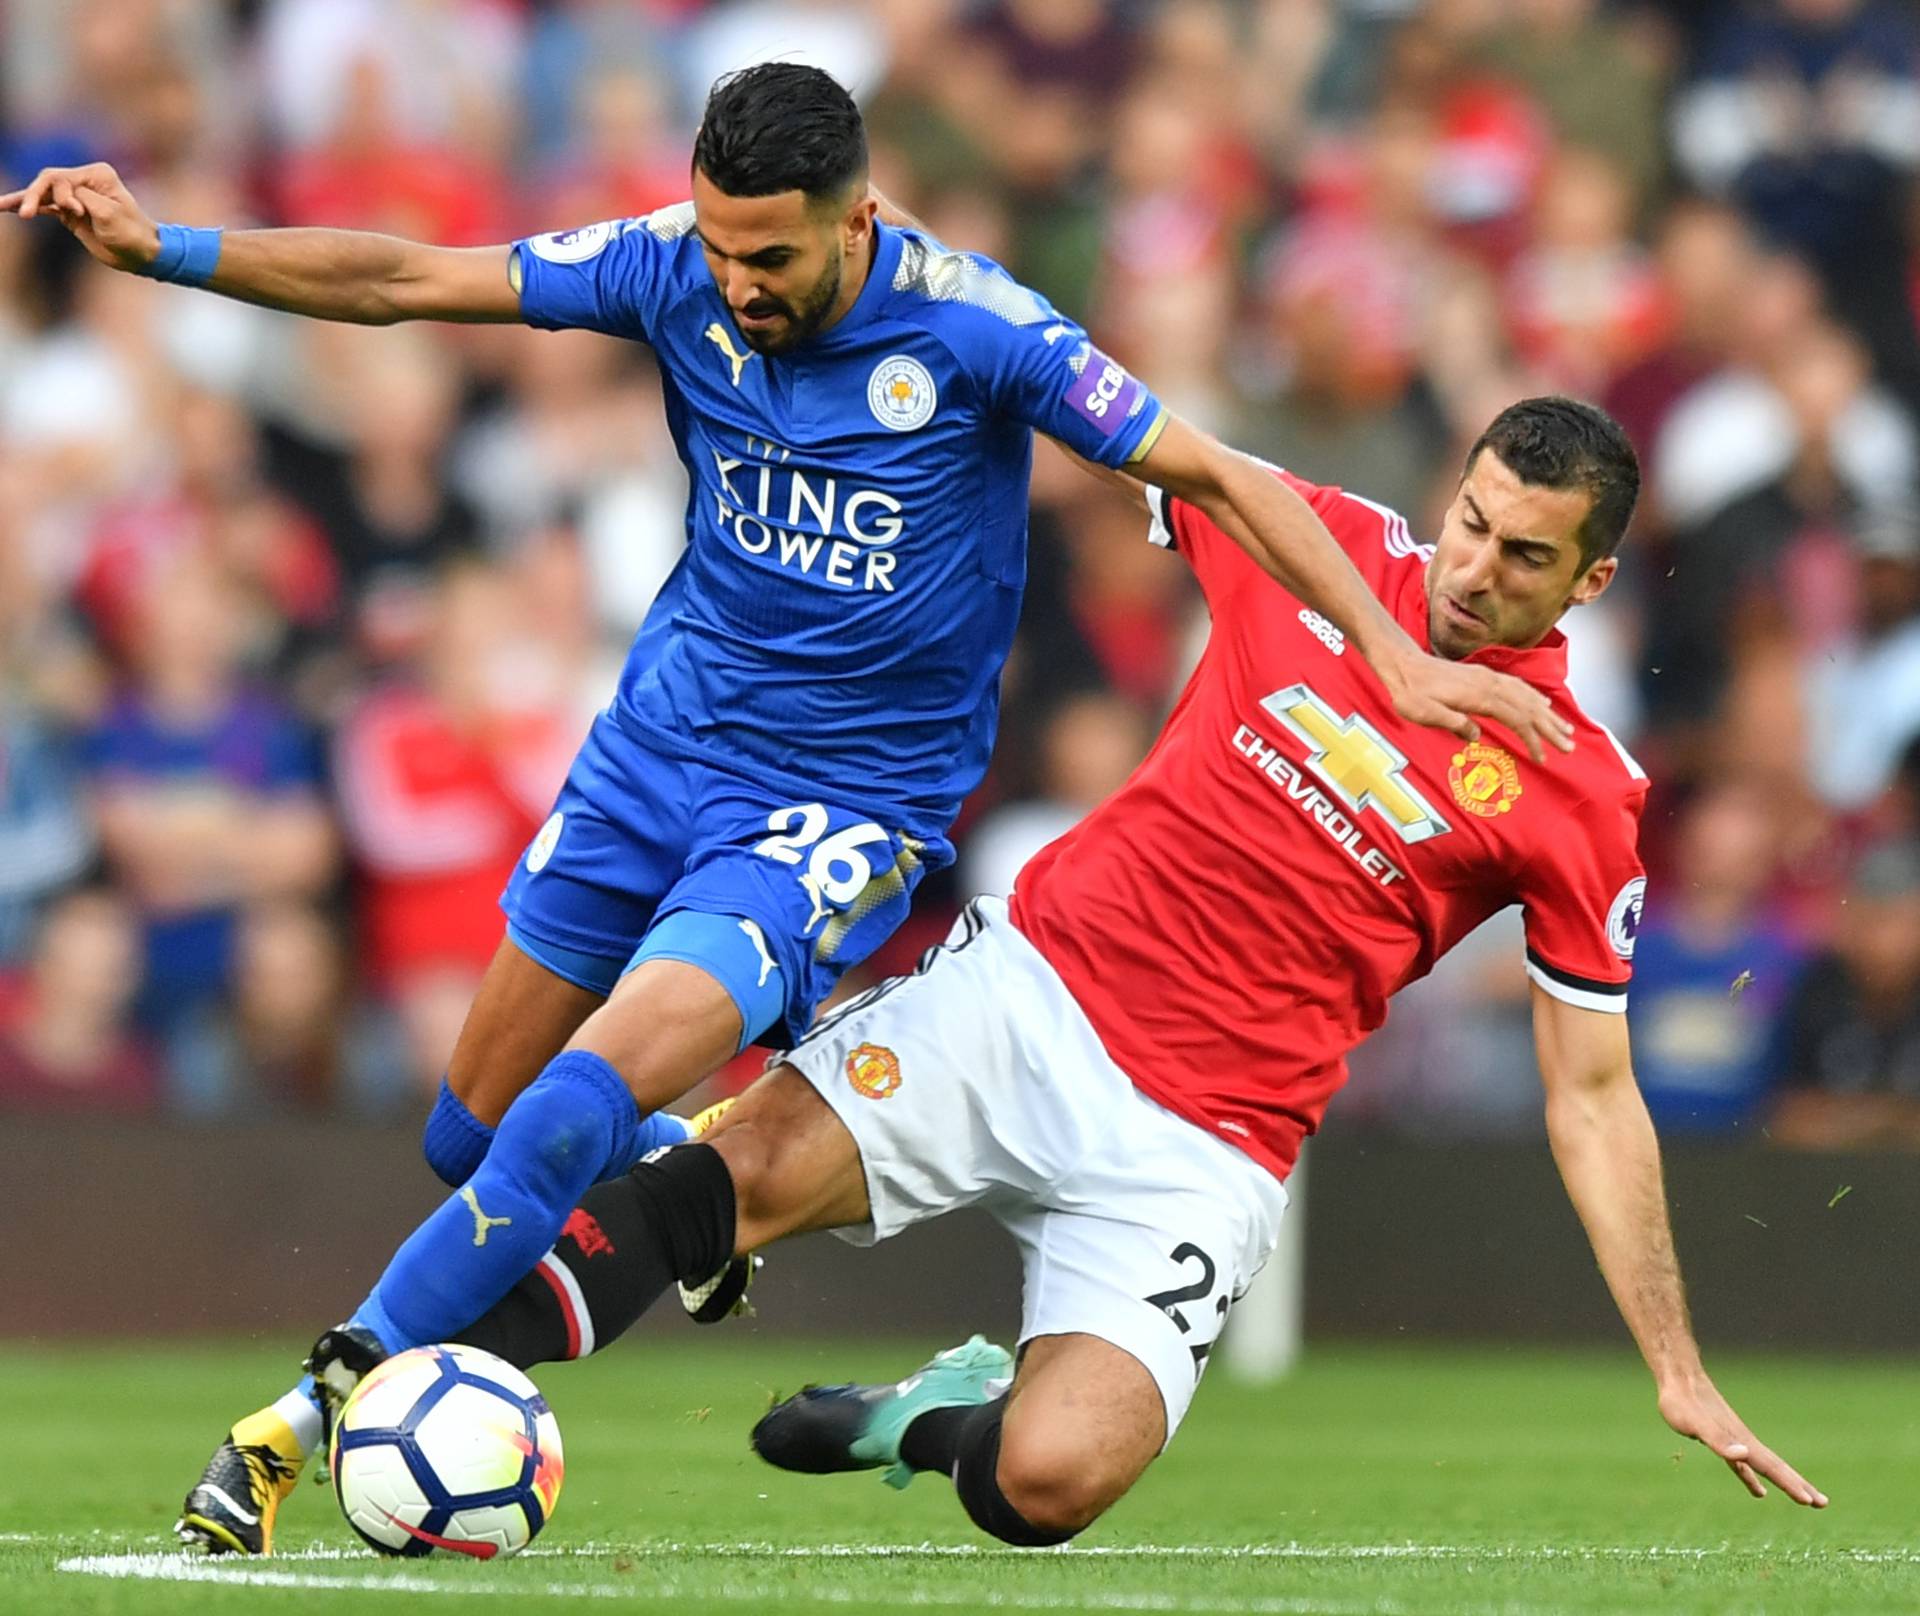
{"x": 822, "y": 1429}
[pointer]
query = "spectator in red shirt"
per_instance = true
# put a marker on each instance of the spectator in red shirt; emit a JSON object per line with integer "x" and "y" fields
{"x": 443, "y": 781}
{"x": 367, "y": 175}
{"x": 629, "y": 159}
{"x": 1583, "y": 298}
{"x": 214, "y": 504}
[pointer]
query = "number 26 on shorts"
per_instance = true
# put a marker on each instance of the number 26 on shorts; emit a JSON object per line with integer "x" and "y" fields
{"x": 835, "y": 870}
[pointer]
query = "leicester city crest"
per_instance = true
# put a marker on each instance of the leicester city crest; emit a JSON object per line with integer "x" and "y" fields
{"x": 900, "y": 393}
{"x": 544, "y": 844}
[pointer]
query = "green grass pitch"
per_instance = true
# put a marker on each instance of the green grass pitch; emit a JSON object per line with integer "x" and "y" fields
{"x": 1372, "y": 1483}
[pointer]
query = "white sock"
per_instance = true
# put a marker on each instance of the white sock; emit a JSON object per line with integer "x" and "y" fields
{"x": 298, "y": 1409}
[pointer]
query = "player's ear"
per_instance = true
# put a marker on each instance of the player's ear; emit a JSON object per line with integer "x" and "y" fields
{"x": 1592, "y": 583}
{"x": 857, "y": 223}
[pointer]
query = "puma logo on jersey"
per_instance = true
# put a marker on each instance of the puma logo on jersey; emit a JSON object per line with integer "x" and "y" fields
{"x": 722, "y": 338}
{"x": 481, "y": 1222}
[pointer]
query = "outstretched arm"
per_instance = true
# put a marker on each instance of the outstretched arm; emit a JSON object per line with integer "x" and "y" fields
{"x": 1279, "y": 530}
{"x": 347, "y": 275}
{"x": 1604, "y": 1145}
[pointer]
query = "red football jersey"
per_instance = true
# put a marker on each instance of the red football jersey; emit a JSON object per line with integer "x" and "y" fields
{"x": 1292, "y": 852}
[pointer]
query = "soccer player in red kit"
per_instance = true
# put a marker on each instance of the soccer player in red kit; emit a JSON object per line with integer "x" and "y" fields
{"x": 1120, "y": 1065}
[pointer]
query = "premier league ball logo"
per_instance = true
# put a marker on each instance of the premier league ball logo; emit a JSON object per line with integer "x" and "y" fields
{"x": 1623, "y": 919}
{"x": 574, "y": 246}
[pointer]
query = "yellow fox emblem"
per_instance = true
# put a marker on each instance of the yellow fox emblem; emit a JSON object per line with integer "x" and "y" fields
{"x": 722, "y": 339}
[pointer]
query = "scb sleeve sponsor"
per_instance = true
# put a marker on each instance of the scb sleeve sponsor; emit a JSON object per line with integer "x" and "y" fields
{"x": 1049, "y": 375}
{"x": 1581, "y": 893}
{"x": 609, "y": 277}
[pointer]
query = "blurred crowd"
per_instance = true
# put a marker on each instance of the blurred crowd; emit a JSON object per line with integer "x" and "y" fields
{"x": 300, "y": 623}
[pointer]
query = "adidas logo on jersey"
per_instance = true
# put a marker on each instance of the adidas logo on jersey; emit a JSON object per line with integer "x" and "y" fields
{"x": 1323, "y": 631}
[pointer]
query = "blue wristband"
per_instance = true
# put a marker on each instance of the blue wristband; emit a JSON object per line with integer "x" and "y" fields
{"x": 187, "y": 256}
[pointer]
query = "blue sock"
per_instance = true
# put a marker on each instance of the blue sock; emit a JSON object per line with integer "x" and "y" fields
{"x": 576, "y": 1124}
{"x": 455, "y": 1141}
{"x": 656, "y": 1132}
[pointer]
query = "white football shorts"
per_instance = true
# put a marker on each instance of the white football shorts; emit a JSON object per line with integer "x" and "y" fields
{"x": 978, "y": 1081}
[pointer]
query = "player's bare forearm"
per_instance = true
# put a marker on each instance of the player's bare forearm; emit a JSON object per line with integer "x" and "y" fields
{"x": 1282, "y": 532}
{"x": 1279, "y": 530}
{"x": 330, "y": 274}
{"x": 1604, "y": 1145}
{"x": 1609, "y": 1159}
{"x": 363, "y": 278}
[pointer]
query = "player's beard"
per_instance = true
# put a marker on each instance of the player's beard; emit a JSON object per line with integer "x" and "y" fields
{"x": 801, "y": 320}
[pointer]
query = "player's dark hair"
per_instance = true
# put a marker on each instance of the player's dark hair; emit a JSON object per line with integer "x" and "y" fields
{"x": 781, "y": 126}
{"x": 1562, "y": 443}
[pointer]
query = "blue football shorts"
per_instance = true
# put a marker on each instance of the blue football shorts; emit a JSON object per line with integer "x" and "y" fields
{"x": 771, "y": 888}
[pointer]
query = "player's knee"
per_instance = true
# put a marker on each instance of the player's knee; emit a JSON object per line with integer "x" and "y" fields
{"x": 793, "y": 1164}
{"x": 764, "y": 1205}
{"x": 1055, "y": 1486}
{"x": 553, "y": 1133}
{"x": 575, "y": 1119}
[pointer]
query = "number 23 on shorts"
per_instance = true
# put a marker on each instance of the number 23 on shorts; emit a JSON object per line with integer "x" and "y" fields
{"x": 1196, "y": 1291}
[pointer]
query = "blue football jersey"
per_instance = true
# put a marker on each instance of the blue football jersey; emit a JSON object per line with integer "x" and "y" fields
{"x": 857, "y": 520}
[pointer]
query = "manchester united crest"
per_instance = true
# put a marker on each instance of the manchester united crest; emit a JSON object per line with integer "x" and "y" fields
{"x": 1485, "y": 779}
{"x": 873, "y": 1070}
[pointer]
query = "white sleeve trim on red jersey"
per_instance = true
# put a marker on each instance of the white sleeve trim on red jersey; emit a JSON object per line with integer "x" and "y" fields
{"x": 1159, "y": 530}
{"x": 1394, "y": 532}
{"x": 1584, "y": 993}
{"x": 1626, "y": 757}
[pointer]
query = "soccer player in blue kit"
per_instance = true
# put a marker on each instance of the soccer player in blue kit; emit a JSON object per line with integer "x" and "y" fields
{"x": 812, "y": 694}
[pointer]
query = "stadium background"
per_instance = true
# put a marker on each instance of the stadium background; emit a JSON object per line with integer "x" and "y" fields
{"x": 299, "y": 623}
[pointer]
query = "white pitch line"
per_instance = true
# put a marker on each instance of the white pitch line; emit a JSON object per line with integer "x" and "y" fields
{"x": 1171, "y": 1551}
{"x": 180, "y": 1568}
{"x": 1650, "y": 1554}
{"x": 1545, "y": 1553}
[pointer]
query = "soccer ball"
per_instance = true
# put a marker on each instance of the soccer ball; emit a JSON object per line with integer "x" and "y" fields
{"x": 446, "y": 1448}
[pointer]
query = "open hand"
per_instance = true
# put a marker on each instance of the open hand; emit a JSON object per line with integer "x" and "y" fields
{"x": 1697, "y": 1409}
{"x": 1446, "y": 695}
{"x": 95, "y": 204}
